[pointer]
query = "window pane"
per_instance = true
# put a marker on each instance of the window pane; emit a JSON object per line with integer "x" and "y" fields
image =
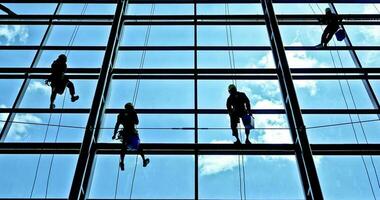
{"x": 61, "y": 35}
{"x": 37, "y": 95}
{"x": 18, "y": 172}
{"x": 175, "y": 179}
{"x": 14, "y": 58}
{"x": 263, "y": 94}
{"x": 240, "y": 59}
{"x": 268, "y": 129}
{"x": 241, "y": 36}
{"x": 232, "y": 9}
{"x": 152, "y": 128}
{"x": 153, "y": 94}
{"x": 342, "y": 129}
{"x": 155, "y": 59}
{"x": 332, "y": 94}
{"x": 10, "y": 87}
{"x": 159, "y": 36}
{"x": 345, "y": 177}
{"x": 30, "y": 127}
{"x": 266, "y": 177}
{"x": 160, "y": 9}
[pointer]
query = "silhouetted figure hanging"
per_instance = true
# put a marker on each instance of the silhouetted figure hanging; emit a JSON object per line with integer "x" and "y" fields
{"x": 238, "y": 106}
{"x": 332, "y": 21}
{"x": 128, "y": 135}
{"x": 6, "y": 10}
{"x": 58, "y": 81}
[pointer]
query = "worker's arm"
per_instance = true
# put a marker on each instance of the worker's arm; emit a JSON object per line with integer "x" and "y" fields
{"x": 247, "y": 104}
{"x": 116, "y": 127}
{"x": 229, "y": 105}
{"x": 136, "y": 119}
{"x": 7, "y": 10}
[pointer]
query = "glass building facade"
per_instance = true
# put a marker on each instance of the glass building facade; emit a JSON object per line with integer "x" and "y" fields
{"x": 316, "y": 109}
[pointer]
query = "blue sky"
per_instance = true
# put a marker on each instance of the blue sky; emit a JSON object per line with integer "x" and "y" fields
{"x": 172, "y": 176}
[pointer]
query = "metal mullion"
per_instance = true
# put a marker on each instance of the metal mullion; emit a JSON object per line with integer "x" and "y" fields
{"x": 196, "y": 135}
{"x": 85, "y": 163}
{"x": 354, "y": 56}
{"x": 304, "y": 154}
{"x": 25, "y": 84}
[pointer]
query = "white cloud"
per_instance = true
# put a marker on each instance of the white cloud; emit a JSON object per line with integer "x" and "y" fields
{"x": 213, "y": 164}
{"x": 13, "y": 33}
{"x": 38, "y": 86}
{"x": 19, "y": 131}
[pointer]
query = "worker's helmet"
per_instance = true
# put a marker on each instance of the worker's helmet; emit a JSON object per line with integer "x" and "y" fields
{"x": 232, "y": 88}
{"x": 129, "y": 106}
{"x": 328, "y": 10}
{"x": 62, "y": 57}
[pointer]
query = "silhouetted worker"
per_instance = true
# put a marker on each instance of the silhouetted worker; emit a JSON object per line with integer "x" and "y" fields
{"x": 129, "y": 135}
{"x": 58, "y": 81}
{"x": 332, "y": 21}
{"x": 238, "y": 106}
{"x": 6, "y": 10}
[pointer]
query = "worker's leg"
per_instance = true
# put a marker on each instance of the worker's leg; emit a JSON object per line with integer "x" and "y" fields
{"x": 71, "y": 87}
{"x": 52, "y": 98}
{"x": 328, "y": 34}
{"x": 247, "y": 130}
{"x": 122, "y": 154}
{"x": 145, "y": 160}
{"x": 234, "y": 120}
{"x": 323, "y": 37}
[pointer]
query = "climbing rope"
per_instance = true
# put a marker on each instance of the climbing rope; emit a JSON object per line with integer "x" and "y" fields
{"x": 231, "y": 58}
{"x": 134, "y": 100}
{"x": 351, "y": 120}
{"x": 67, "y": 52}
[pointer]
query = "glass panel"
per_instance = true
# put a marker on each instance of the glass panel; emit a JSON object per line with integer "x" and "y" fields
{"x": 269, "y": 129}
{"x": 299, "y": 8}
{"x": 305, "y": 35}
{"x": 29, "y": 127}
{"x": 21, "y": 34}
{"x": 263, "y": 94}
{"x": 363, "y": 35}
{"x": 153, "y": 94}
{"x": 32, "y": 8}
{"x": 320, "y": 59}
{"x": 18, "y": 172}
{"x": 266, "y": 177}
{"x": 241, "y": 36}
{"x": 332, "y": 94}
{"x": 158, "y": 36}
{"x": 15, "y": 58}
{"x": 369, "y": 58}
{"x": 75, "y": 59}
{"x": 160, "y": 9}
{"x": 342, "y": 129}
{"x": 87, "y": 9}
{"x": 345, "y": 177}
{"x": 61, "y": 35}
{"x": 10, "y": 87}
{"x": 232, "y": 9}
{"x": 153, "y": 128}
{"x": 155, "y": 59}
{"x": 175, "y": 179}
{"x": 240, "y": 59}
{"x": 38, "y": 94}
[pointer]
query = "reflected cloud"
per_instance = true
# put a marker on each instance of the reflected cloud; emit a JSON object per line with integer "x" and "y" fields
{"x": 13, "y": 33}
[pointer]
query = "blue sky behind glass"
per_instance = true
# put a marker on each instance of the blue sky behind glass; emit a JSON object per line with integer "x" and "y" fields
{"x": 172, "y": 176}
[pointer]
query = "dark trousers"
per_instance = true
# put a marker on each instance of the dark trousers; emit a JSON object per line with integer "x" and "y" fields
{"x": 328, "y": 33}
{"x": 124, "y": 149}
{"x": 234, "y": 120}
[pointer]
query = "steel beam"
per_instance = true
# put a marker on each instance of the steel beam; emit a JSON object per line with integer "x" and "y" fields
{"x": 304, "y": 154}
{"x": 87, "y": 153}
